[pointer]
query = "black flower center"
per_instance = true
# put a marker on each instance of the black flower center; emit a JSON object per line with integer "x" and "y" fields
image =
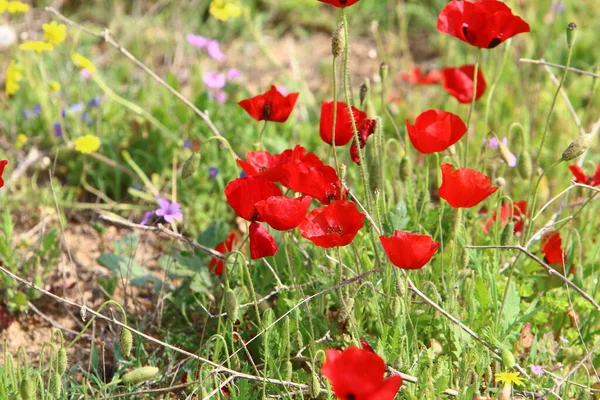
{"x": 339, "y": 230}
{"x": 350, "y": 396}
{"x": 471, "y": 36}
{"x": 343, "y": 1}
{"x": 267, "y": 109}
{"x": 495, "y": 42}
{"x": 263, "y": 168}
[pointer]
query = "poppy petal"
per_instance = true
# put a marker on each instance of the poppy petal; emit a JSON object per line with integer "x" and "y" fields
{"x": 464, "y": 187}
{"x": 409, "y": 250}
{"x": 435, "y": 131}
{"x": 283, "y": 213}
{"x": 262, "y": 243}
{"x": 243, "y": 194}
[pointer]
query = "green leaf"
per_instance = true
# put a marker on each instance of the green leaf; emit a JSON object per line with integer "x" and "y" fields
{"x": 512, "y": 306}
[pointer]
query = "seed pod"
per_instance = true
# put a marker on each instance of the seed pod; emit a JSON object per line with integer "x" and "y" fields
{"x": 508, "y": 358}
{"x": 126, "y": 341}
{"x": 524, "y": 165}
{"x": 383, "y": 71}
{"x": 314, "y": 388}
{"x": 571, "y": 34}
{"x": 364, "y": 89}
{"x": 139, "y": 375}
{"x": 577, "y": 147}
{"x": 500, "y": 181}
{"x": 55, "y": 385}
{"x": 508, "y": 233}
{"x": 231, "y": 305}
{"x": 28, "y": 388}
{"x": 338, "y": 41}
{"x": 190, "y": 166}
{"x": 61, "y": 361}
{"x": 298, "y": 339}
{"x": 396, "y": 306}
{"x": 288, "y": 370}
{"x": 405, "y": 168}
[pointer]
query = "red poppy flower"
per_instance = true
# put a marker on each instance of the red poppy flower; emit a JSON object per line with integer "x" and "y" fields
{"x": 264, "y": 164}
{"x": 464, "y": 188}
{"x": 224, "y": 247}
{"x": 366, "y": 129}
{"x": 483, "y": 23}
{"x": 458, "y": 82}
{"x": 552, "y": 249}
{"x": 283, "y": 213}
{"x": 307, "y": 174}
{"x": 340, "y": 3}
{"x": 358, "y": 374}
{"x": 409, "y": 250}
{"x": 506, "y": 214}
{"x": 416, "y": 77}
{"x": 333, "y": 225}
{"x": 3, "y": 163}
{"x": 243, "y": 194}
{"x": 343, "y": 123}
{"x": 262, "y": 243}
{"x": 270, "y": 106}
{"x": 581, "y": 177}
{"x": 435, "y": 131}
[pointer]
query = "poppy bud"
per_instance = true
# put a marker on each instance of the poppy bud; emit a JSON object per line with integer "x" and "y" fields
{"x": 139, "y": 375}
{"x": 298, "y": 339}
{"x": 338, "y": 42}
{"x": 577, "y": 147}
{"x": 28, "y": 388}
{"x": 125, "y": 341}
{"x": 314, "y": 388}
{"x": 231, "y": 305}
{"x": 524, "y": 165}
{"x": 364, "y": 89}
{"x": 61, "y": 361}
{"x": 508, "y": 358}
{"x": 571, "y": 34}
{"x": 396, "y": 306}
{"x": 507, "y": 234}
{"x": 190, "y": 166}
{"x": 405, "y": 168}
{"x": 285, "y": 336}
{"x": 505, "y": 153}
{"x": 465, "y": 258}
{"x": 383, "y": 71}
{"x": 288, "y": 370}
{"x": 400, "y": 286}
{"x": 500, "y": 181}
{"x": 55, "y": 385}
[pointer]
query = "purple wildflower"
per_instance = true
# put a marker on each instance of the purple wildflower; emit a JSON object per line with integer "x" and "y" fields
{"x": 537, "y": 369}
{"x": 213, "y": 172}
{"x": 493, "y": 144}
{"x": 75, "y": 108}
{"x": 33, "y": 112}
{"x": 187, "y": 143}
{"x": 233, "y": 74}
{"x": 197, "y": 41}
{"x": 214, "y": 80}
{"x": 214, "y": 51}
{"x": 220, "y": 96}
{"x": 87, "y": 118}
{"x": 564, "y": 339}
{"x": 95, "y": 102}
{"x": 212, "y": 46}
{"x": 169, "y": 211}
{"x": 147, "y": 217}
{"x": 85, "y": 74}
{"x": 57, "y": 130}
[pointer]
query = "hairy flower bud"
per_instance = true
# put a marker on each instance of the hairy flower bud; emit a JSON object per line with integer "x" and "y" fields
{"x": 28, "y": 388}
{"x": 231, "y": 305}
{"x": 288, "y": 370}
{"x": 139, "y": 375}
{"x": 571, "y": 34}
{"x": 61, "y": 361}
{"x": 577, "y": 147}
{"x": 338, "y": 42}
{"x": 524, "y": 165}
{"x": 126, "y": 341}
{"x": 465, "y": 258}
{"x": 190, "y": 166}
{"x": 508, "y": 358}
{"x": 384, "y": 69}
{"x": 507, "y": 234}
{"x": 405, "y": 168}
{"x": 55, "y": 385}
{"x": 314, "y": 388}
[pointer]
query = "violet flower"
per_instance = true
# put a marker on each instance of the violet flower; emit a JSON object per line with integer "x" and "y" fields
{"x": 214, "y": 80}
{"x": 493, "y": 144}
{"x": 168, "y": 211}
{"x": 537, "y": 369}
{"x": 212, "y": 46}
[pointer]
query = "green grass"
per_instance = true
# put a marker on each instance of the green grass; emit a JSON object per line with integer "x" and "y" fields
{"x": 142, "y": 118}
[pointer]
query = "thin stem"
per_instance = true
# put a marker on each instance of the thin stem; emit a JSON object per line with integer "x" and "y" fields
{"x": 495, "y": 84}
{"x": 258, "y": 143}
{"x": 333, "y": 149}
{"x": 475, "y": 73}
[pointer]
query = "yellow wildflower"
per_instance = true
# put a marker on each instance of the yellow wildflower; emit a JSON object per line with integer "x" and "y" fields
{"x": 37, "y": 46}
{"x": 87, "y": 144}
{"x": 13, "y": 75}
{"x": 54, "y": 33}
{"x": 21, "y": 140}
{"x": 83, "y": 62}
{"x": 224, "y": 10}
{"x": 54, "y": 87}
{"x": 13, "y": 7}
{"x": 510, "y": 378}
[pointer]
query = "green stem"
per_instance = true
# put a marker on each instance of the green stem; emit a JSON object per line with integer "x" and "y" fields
{"x": 475, "y": 73}
{"x": 259, "y": 144}
{"x": 120, "y": 307}
{"x": 495, "y": 84}
{"x": 333, "y": 149}
{"x": 534, "y": 195}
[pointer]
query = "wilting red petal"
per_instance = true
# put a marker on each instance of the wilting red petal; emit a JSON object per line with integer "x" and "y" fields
{"x": 270, "y": 106}
{"x": 307, "y": 174}
{"x": 343, "y": 125}
{"x": 484, "y": 23}
{"x": 243, "y": 194}
{"x": 333, "y": 225}
{"x": 506, "y": 214}
{"x": 216, "y": 265}
{"x": 264, "y": 164}
{"x": 552, "y": 249}
{"x": 596, "y": 178}
{"x": 340, "y": 3}
{"x": 416, "y": 77}
{"x": 581, "y": 177}
{"x": 464, "y": 188}
{"x": 3, "y": 164}
{"x": 359, "y": 374}
{"x": 366, "y": 129}
{"x": 262, "y": 243}
{"x": 283, "y": 213}
{"x": 409, "y": 250}
{"x": 435, "y": 131}
{"x": 458, "y": 82}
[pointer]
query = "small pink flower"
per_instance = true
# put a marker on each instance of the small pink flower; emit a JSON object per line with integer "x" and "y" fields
{"x": 214, "y": 80}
